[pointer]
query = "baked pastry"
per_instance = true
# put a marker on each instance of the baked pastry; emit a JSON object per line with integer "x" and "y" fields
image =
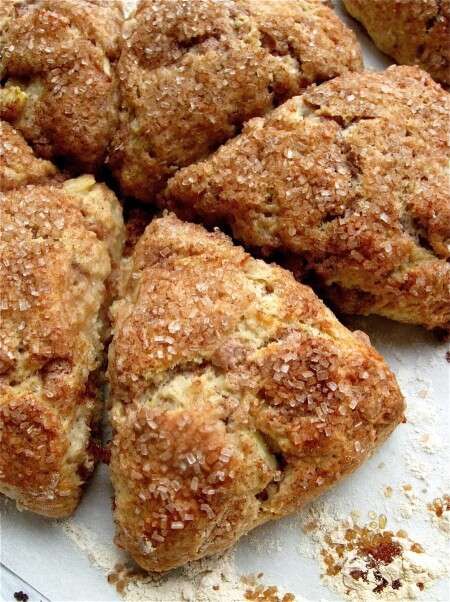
{"x": 6, "y": 11}
{"x": 191, "y": 73}
{"x": 57, "y": 248}
{"x": 18, "y": 164}
{"x": 59, "y": 86}
{"x": 236, "y": 395}
{"x": 413, "y": 33}
{"x": 350, "y": 183}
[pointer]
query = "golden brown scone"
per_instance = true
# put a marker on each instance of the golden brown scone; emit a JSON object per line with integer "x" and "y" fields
{"x": 57, "y": 66}
{"x": 192, "y": 72}
{"x": 18, "y": 164}
{"x": 57, "y": 248}
{"x": 236, "y": 395}
{"x": 413, "y": 32}
{"x": 351, "y": 180}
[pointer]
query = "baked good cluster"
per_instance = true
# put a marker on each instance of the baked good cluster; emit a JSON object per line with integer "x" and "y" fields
{"x": 234, "y": 393}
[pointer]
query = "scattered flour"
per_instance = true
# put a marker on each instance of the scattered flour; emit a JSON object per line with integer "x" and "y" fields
{"x": 442, "y": 523}
{"x": 370, "y": 563}
{"x": 211, "y": 580}
{"x": 100, "y": 555}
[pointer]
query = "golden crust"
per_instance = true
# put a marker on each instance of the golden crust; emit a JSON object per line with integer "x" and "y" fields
{"x": 413, "y": 33}
{"x": 350, "y": 181}
{"x": 236, "y": 395}
{"x": 6, "y": 12}
{"x": 57, "y": 246}
{"x": 18, "y": 164}
{"x": 192, "y": 72}
{"x": 56, "y": 59}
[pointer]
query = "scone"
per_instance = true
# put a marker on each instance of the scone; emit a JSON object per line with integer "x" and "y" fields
{"x": 350, "y": 183}
{"x": 18, "y": 163}
{"x": 191, "y": 73}
{"x": 236, "y": 395}
{"x": 413, "y": 32}
{"x": 58, "y": 245}
{"x": 58, "y": 82}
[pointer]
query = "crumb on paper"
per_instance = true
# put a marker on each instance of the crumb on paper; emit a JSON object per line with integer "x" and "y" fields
{"x": 440, "y": 514}
{"x": 388, "y": 491}
{"x": 21, "y": 596}
{"x": 440, "y": 505}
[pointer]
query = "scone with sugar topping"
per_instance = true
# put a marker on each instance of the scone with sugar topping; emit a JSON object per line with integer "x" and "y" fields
{"x": 191, "y": 73}
{"x": 351, "y": 182}
{"x": 58, "y": 82}
{"x": 236, "y": 395}
{"x": 412, "y": 32}
{"x": 58, "y": 245}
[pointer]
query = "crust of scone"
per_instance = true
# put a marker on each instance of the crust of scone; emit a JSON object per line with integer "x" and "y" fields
{"x": 18, "y": 164}
{"x": 236, "y": 395}
{"x": 192, "y": 72}
{"x": 58, "y": 245}
{"x": 60, "y": 89}
{"x": 413, "y": 33}
{"x": 349, "y": 181}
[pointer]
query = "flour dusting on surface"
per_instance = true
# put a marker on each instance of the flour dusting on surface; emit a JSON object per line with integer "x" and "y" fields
{"x": 101, "y": 556}
{"x": 372, "y": 563}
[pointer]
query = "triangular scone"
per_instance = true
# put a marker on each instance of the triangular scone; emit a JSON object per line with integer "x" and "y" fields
{"x": 236, "y": 395}
{"x": 191, "y": 73}
{"x": 58, "y": 83}
{"x": 351, "y": 180}
{"x": 58, "y": 245}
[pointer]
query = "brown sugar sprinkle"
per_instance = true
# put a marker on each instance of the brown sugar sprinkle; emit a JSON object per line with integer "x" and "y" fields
{"x": 375, "y": 546}
{"x": 417, "y": 548}
{"x": 378, "y": 545}
{"x": 440, "y": 505}
{"x": 258, "y": 591}
{"x": 122, "y": 575}
{"x": 269, "y": 593}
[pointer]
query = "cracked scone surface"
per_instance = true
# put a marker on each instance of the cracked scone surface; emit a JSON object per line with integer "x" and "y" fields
{"x": 18, "y": 164}
{"x": 57, "y": 69}
{"x": 236, "y": 395}
{"x": 58, "y": 245}
{"x": 413, "y": 33}
{"x": 192, "y": 72}
{"x": 349, "y": 181}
